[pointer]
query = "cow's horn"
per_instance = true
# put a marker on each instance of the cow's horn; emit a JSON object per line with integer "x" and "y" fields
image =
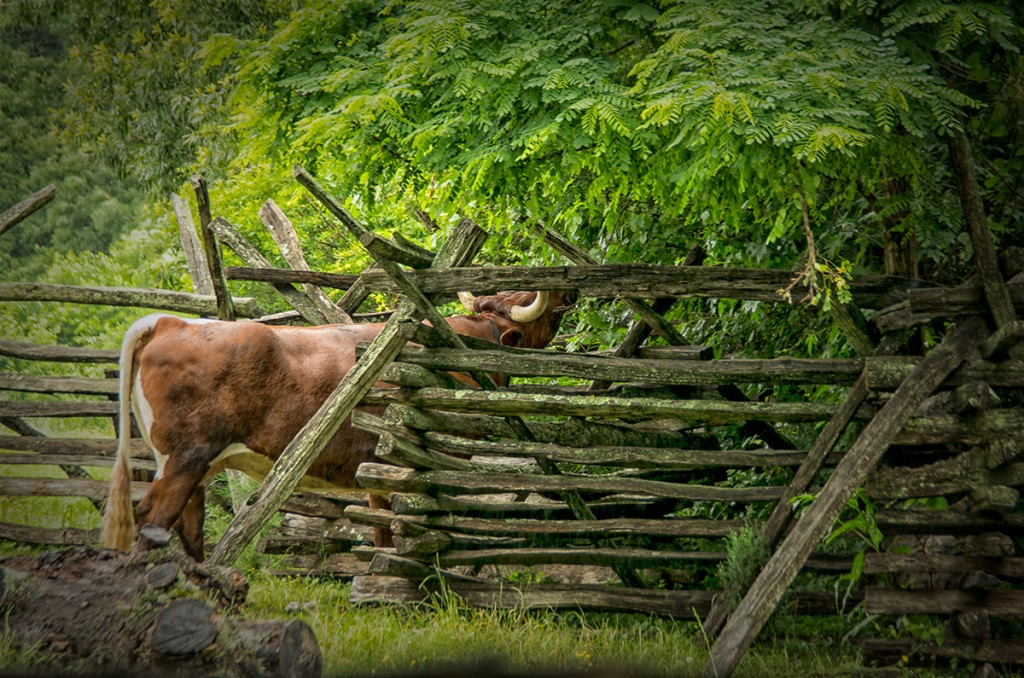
{"x": 525, "y": 314}
{"x": 468, "y": 300}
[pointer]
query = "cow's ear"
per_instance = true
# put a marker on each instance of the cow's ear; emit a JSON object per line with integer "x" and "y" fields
{"x": 511, "y": 337}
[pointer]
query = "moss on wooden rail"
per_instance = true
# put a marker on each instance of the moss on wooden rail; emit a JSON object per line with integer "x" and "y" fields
{"x": 31, "y": 383}
{"x": 996, "y": 602}
{"x": 604, "y": 281}
{"x": 632, "y": 557}
{"x": 887, "y": 373}
{"x": 34, "y": 408}
{"x": 16, "y": 459}
{"x": 602, "y": 455}
{"x": 62, "y": 487}
{"x": 503, "y": 403}
{"x": 161, "y": 300}
{"x": 434, "y": 450}
{"x": 65, "y": 354}
{"x": 105, "y": 447}
{"x": 379, "y": 478}
{"x": 1000, "y": 566}
{"x": 975, "y": 429}
{"x": 570, "y": 432}
{"x": 517, "y": 527}
{"x": 615, "y": 506}
{"x": 654, "y": 371}
{"x": 676, "y": 604}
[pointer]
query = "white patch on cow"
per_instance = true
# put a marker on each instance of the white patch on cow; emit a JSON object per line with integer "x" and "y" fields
{"x": 238, "y": 457}
{"x": 231, "y": 450}
{"x": 144, "y": 417}
{"x": 161, "y": 461}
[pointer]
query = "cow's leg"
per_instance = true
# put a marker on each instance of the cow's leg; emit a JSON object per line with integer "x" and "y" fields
{"x": 165, "y": 502}
{"x": 382, "y": 536}
{"x": 190, "y": 525}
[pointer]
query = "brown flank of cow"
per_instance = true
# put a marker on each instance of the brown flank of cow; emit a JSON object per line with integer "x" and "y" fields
{"x": 212, "y": 395}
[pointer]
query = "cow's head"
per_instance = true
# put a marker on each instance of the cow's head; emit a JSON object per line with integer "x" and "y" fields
{"x": 523, "y": 319}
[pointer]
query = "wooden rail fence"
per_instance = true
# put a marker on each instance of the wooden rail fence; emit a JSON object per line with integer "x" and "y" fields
{"x": 618, "y": 477}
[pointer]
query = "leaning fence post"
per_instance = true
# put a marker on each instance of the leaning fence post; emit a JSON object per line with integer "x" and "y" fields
{"x": 225, "y": 305}
{"x": 19, "y": 212}
{"x": 202, "y": 283}
{"x": 862, "y": 457}
{"x": 996, "y": 294}
{"x": 247, "y": 252}
{"x": 281, "y": 228}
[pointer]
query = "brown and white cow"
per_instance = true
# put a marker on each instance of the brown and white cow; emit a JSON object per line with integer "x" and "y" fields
{"x": 211, "y": 395}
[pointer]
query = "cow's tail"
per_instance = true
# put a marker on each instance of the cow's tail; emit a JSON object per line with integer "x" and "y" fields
{"x": 118, "y": 530}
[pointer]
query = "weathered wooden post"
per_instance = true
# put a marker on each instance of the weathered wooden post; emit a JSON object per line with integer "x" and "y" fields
{"x": 202, "y": 282}
{"x": 225, "y": 305}
{"x": 281, "y": 228}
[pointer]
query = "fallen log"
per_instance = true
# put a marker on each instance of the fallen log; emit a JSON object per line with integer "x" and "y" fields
{"x": 150, "y": 610}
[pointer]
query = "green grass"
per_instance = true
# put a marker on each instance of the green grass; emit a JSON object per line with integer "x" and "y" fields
{"x": 446, "y": 633}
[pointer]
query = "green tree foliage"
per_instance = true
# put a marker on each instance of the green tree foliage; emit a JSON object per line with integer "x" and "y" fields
{"x": 638, "y": 129}
{"x": 137, "y": 96}
{"x": 808, "y": 135}
{"x": 91, "y": 207}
